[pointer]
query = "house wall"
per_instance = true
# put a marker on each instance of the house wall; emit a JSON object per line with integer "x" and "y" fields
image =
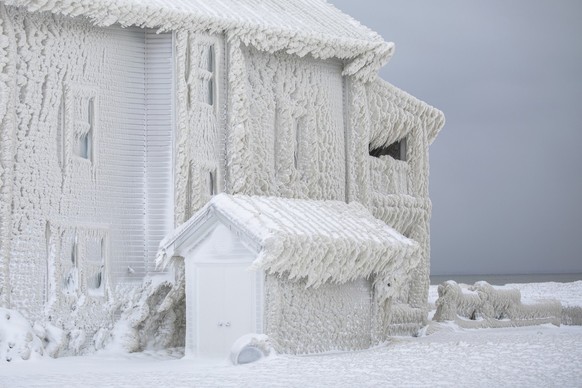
{"x": 302, "y": 320}
{"x": 7, "y": 130}
{"x": 201, "y": 116}
{"x": 286, "y": 130}
{"x": 398, "y": 190}
{"x": 76, "y": 206}
{"x": 269, "y": 96}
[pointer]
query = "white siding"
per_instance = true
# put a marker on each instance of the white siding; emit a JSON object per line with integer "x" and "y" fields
{"x": 159, "y": 142}
{"x": 136, "y": 150}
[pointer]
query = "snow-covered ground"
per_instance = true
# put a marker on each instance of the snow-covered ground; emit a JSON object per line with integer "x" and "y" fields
{"x": 531, "y": 356}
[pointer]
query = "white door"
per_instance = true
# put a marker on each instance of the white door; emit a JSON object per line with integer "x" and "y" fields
{"x": 226, "y": 308}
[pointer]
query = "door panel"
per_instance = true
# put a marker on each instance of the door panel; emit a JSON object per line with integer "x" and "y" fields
{"x": 225, "y": 306}
{"x": 210, "y": 294}
{"x": 239, "y": 306}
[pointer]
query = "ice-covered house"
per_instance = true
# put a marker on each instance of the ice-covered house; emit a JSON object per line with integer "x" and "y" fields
{"x": 120, "y": 120}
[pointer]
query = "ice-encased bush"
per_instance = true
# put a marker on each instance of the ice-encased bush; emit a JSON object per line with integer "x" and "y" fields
{"x": 483, "y": 305}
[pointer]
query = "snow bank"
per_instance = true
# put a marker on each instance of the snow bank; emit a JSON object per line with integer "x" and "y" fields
{"x": 250, "y": 348}
{"x": 483, "y": 305}
{"x": 19, "y": 340}
{"x": 567, "y": 293}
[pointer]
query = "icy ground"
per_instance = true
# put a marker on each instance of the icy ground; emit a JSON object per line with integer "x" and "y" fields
{"x": 532, "y": 356}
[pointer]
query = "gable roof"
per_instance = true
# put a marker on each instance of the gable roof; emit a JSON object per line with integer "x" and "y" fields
{"x": 320, "y": 241}
{"x": 298, "y": 27}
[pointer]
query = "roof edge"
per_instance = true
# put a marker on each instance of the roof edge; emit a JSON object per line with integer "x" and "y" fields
{"x": 364, "y": 57}
{"x": 432, "y": 119}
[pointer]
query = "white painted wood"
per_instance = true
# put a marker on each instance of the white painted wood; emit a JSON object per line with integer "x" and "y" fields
{"x": 136, "y": 156}
{"x": 223, "y": 297}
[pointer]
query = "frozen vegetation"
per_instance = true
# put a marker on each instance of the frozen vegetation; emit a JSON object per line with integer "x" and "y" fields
{"x": 544, "y": 355}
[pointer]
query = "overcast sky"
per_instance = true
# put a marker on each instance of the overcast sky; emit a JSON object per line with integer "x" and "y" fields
{"x": 506, "y": 170}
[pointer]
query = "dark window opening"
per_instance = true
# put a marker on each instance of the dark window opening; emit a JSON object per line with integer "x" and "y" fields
{"x": 210, "y": 95}
{"x": 396, "y": 150}
{"x": 211, "y": 183}
{"x": 210, "y": 61}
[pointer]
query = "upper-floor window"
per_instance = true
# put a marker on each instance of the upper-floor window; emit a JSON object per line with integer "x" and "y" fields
{"x": 84, "y": 129}
{"x": 78, "y": 135}
{"x": 396, "y": 150}
{"x": 207, "y": 74}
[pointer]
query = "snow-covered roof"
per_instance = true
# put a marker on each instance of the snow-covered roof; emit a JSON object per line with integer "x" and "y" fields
{"x": 395, "y": 113}
{"x": 320, "y": 241}
{"x": 296, "y": 26}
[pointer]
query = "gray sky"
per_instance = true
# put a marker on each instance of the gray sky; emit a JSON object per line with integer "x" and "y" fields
{"x": 506, "y": 170}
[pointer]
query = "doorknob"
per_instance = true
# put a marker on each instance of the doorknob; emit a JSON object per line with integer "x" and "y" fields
{"x": 227, "y": 324}
{"x": 220, "y": 324}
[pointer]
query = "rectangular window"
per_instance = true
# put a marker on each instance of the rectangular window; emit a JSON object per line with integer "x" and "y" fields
{"x": 207, "y": 74}
{"x": 84, "y": 134}
{"x": 69, "y": 264}
{"x": 80, "y": 103}
{"x": 212, "y": 182}
{"x": 94, "y": 266}
{"x": 396, "y": 150}
{"x": 298, "y": 146}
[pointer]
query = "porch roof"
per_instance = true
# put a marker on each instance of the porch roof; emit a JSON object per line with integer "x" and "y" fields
{"x": 320, "y": 241}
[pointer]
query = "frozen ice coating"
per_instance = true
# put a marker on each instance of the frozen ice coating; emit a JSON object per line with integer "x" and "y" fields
{"x": 125, "y": 123}
{"x": 320, "y": 241}
{"x": 483, "y": 305}
{"x": 327, "y": 254}
{"x": 299, "y": 27}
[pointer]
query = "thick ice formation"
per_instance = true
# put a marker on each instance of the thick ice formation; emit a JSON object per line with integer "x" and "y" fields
{"x": 332, "y": 270}
{"x": 266, "y": 104}
{"x": 320, "y": 241}
{"x": 301, "y": 27}
{"x": 483, "y": 305}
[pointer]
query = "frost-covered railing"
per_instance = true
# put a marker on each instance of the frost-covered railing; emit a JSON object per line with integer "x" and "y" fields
{"x": 483, "y": 305}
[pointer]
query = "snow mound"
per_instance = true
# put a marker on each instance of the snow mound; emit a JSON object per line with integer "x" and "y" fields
{"x": 250, "y": 348}
{"x": 17, "y": 338}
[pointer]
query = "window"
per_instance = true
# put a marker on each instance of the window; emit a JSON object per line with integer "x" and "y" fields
{"x": 298, "y": 146}
{"x": 396, "y": 150}
{"x": 84, "y": 131}
{"x": 211, "y": 183}
{"x": 207, "y": 74}
{"x": 95, "y": 266}
{"x": 70, "y": 271}
{"x": 83, "y": 261}
{"x": 80, "y": 112}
